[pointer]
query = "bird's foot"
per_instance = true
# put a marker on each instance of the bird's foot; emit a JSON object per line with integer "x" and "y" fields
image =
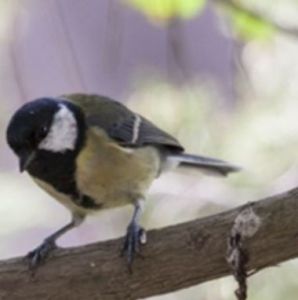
{"x": 39, "y": 255}
{"x": 135, "y": 237}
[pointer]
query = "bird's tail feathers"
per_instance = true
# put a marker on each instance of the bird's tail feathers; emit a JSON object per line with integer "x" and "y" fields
{"x": 208, "y": 164}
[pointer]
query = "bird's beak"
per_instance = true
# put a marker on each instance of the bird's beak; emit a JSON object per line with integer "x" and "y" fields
{"x": 26, "y": 159}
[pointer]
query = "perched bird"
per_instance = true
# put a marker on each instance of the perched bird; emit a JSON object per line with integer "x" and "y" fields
{"x": 92, "y": 153}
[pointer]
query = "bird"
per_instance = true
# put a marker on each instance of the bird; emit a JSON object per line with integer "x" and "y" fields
{"x": 91, "y": 153}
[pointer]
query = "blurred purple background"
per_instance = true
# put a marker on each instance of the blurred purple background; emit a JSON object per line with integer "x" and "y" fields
{"x": 101, "y": 46}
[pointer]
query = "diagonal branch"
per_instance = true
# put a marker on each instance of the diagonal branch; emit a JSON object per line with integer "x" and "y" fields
{"x": 237, "y": 6}
{"x": 176, "y": 257}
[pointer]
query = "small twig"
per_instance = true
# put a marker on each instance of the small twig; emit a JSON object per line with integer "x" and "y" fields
{"x": 246, "y": 224}
{"x": 238, "y": 259}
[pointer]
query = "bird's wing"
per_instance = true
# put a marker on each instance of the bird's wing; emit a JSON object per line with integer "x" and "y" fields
{"x": 121, "y": 124}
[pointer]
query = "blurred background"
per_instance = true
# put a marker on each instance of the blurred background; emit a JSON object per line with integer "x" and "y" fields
{"x": 220, "y": 75}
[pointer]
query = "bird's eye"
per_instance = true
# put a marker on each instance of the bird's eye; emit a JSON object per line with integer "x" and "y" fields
{"x": 41, "y": 133}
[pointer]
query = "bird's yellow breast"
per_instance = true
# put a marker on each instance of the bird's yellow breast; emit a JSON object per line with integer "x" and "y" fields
{"x": 112, "y": 175}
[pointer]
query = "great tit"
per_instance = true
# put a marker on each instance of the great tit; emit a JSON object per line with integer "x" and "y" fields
{"x": 92, "y": 153}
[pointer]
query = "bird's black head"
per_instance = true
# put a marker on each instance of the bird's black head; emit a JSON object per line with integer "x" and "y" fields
{"x": 45, "y": 124}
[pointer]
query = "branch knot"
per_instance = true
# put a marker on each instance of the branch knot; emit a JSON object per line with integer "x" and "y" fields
{"x": 246, "y": 224}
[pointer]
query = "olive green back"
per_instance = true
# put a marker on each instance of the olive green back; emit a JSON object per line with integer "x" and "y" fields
{"x": 120, "y": 123}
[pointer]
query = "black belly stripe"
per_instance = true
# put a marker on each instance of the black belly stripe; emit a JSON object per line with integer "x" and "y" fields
{"x": 58, "y": 170}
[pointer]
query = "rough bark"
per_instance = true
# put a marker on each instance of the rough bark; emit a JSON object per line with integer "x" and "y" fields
{"x": 175, "y": 257}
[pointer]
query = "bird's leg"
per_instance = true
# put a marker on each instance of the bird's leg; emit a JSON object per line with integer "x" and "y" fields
{"x": 38, "y": 256}
{"x": 135, "y": 235}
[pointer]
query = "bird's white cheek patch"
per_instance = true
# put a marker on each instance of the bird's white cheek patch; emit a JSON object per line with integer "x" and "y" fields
{"x": 63, "y": 133}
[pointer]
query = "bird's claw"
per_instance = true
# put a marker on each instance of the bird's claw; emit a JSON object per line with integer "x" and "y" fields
{"x": 135, "y": 237}
{"x": 39, "y": 255}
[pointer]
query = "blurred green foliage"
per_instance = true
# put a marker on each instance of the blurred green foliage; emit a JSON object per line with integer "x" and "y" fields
{"x": 246, "y": 23}
{"x": 162, "y": 11}
{"x": 249, "y": 27}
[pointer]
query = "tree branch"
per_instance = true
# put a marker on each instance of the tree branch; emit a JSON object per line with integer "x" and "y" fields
{"x": 175, "y": 257}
